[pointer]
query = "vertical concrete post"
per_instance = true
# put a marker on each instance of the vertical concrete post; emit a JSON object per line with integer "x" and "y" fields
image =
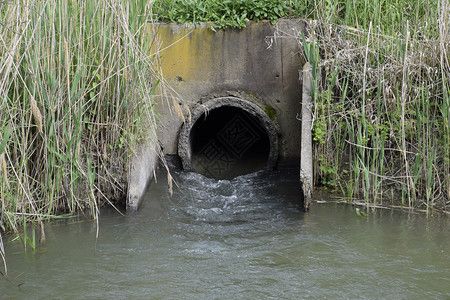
{"x": 306, "y": 152}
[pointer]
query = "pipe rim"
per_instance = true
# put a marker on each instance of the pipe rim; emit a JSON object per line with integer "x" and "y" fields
{"x": 184, "y": 142}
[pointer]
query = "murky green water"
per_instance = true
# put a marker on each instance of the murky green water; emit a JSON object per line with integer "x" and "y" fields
{"x": 240, "y": 239}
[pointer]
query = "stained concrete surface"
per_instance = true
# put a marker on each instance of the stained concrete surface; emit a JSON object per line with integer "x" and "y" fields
{"x": 252, "y": 64}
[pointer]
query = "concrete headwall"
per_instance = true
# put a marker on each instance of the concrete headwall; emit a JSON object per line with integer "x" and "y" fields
{"x": 201, "y": 64}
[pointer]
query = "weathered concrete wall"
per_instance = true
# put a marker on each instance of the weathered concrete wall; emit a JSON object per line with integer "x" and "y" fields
{"x": 200, "y": 64}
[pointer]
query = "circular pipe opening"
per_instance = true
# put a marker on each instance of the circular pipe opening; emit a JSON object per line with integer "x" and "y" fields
{"x": 227, "y": 137}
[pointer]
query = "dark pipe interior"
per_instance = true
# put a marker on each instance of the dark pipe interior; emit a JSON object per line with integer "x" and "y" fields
{"x": 228, "y": 142}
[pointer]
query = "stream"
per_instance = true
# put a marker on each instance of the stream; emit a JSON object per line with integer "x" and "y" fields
{"x": 245, "y": 238}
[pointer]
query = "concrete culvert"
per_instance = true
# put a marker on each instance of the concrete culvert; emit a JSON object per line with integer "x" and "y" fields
{"x": 227, "y": 137}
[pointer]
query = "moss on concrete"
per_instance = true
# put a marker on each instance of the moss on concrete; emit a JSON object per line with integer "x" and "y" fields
{"x": 270, "y": 112}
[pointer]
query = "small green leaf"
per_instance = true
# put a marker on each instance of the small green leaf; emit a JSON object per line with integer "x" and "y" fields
{"x": 6, "y": 134}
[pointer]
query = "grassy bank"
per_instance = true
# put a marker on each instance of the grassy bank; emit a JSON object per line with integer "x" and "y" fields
{"x": 382, "y": 104}
{"x": 76, "y": 89}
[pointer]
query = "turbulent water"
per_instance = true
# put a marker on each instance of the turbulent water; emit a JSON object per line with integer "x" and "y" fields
{"x": 241, "y": 239}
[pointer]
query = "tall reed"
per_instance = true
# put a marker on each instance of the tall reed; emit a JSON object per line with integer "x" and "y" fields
{"x": 76, "y": 93}
{"x": 382, "y": 108}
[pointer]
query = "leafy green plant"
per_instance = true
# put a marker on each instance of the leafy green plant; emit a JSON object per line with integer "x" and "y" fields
{"x": 327, "y": 173}
{"x": 320, "y": 131}
{"x": 222, "y": 14}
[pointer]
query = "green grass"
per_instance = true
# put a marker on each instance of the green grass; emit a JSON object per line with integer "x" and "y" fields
{"x": 76, "y": 89}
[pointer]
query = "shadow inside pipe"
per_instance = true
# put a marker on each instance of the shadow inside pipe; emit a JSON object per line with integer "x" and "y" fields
{"x": 227, "y": 142}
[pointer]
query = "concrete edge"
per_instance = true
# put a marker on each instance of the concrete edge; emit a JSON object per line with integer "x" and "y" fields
{"x": 141, "y": 170}
{"x": 306, "y": 150}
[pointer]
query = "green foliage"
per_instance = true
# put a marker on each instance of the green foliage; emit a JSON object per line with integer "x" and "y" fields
{"x": 222, "y": 13}
{"x": 328, "y": 173}
{"x": 389, "y": 16}
{"x": 320, "y": 131}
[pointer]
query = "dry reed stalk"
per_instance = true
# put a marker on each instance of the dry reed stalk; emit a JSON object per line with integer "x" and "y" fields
{"x": 5, "y": 178}
{"x": 3, "y": 255}
{"x": 404, "y": 98}
{"x": 37, "y": 115}
{"x": 3, "y": 167}
{"x": 170, "y": 182}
